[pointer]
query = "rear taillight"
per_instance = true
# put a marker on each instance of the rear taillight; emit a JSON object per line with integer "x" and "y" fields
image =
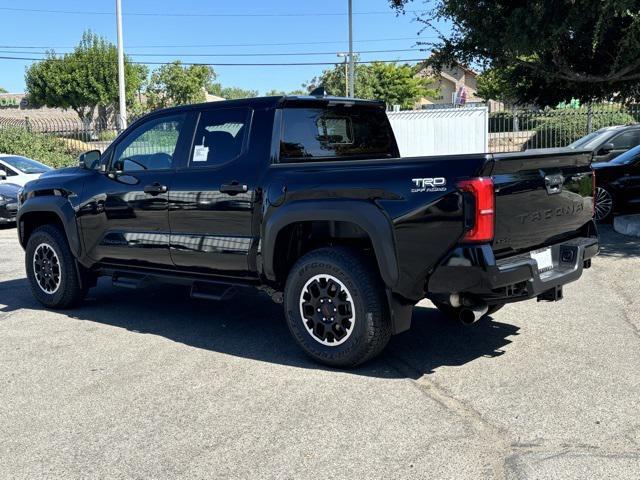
{"x": 484, "y": 204}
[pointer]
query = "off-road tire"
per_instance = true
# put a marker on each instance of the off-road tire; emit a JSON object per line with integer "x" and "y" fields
{"x": 371, "y": 329}
{"x": 68, "y": 292}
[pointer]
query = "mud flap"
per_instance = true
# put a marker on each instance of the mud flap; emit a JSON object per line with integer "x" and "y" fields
{"x": 400, "y": 313}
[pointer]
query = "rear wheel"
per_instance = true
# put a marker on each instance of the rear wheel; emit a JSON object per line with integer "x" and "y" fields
{"x": 51, "y": 269}
{"x": 336, "y": 308}
{"x": 603, "y": 204}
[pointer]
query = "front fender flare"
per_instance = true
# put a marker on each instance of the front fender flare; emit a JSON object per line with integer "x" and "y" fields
{"x": 59, "y": 206}
{"x": 364, "y": 214}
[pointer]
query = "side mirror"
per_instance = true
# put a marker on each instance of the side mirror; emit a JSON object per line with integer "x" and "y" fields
{"x": 90, "y": 160}
{"x": 3, "y": 175}
{"x": 606, "y": 148}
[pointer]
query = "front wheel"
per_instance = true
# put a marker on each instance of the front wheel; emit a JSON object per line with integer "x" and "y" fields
{"x": 51, "y": 269}
{"x": 336, "y": 307}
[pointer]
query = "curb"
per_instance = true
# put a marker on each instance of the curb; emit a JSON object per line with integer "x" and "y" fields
{"x": 627, "y": 225}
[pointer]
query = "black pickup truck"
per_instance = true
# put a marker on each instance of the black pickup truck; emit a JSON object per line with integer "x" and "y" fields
{"x": 307, "y": 198}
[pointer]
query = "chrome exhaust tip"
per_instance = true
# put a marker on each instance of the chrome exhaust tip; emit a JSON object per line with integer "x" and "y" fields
{"x": 469, "y": 315}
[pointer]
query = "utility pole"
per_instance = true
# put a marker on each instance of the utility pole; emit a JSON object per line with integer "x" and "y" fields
{"x": 352, "y": 73}
{"x": 346, "y": 73}
{"x": 122, "y": 111}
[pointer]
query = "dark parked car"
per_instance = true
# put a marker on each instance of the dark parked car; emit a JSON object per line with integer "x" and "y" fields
{"x": 307, "y": 199}
{"x": 617, "y": 184}
{"x": 609, "y": 142}
{"x": 8, "y": 202}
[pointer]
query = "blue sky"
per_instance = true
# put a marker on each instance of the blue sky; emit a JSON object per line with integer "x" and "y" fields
{"x": 326, "y": 33}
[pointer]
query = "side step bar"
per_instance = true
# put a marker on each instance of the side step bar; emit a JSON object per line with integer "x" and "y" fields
{"x": 212, "y": 291}
{"x": 132, "y": 282}
{"x": 199, "y": 288}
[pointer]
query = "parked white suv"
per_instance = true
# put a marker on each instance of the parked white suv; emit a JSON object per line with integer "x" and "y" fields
{"x": 20, "y": 170}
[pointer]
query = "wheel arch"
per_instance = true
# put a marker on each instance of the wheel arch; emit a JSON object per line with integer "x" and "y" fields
{"x": 365, "y": 216}
{"x": 46, "y": 210}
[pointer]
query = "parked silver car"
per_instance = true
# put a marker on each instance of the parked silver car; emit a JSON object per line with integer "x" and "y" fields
{"x": 20, "y": 170}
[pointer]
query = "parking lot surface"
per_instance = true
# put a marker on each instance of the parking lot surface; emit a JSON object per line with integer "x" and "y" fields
{"x": 152, "y": 384}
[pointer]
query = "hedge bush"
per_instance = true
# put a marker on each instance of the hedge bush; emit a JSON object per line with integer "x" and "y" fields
{"x": 501, "y": 122}
{"x": 562, "y": 127}
{"x": 44, "y": 148}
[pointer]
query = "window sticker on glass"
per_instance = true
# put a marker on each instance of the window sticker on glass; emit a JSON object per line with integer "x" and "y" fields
{"x": 200, "y": 152}
{"x": 335, "y": 130}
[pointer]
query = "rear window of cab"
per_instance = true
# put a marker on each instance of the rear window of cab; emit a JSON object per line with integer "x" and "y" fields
{"x": 335, "y": 133}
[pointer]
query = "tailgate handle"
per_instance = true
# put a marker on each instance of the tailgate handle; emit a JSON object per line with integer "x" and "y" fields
{"x": 553, "y": 183}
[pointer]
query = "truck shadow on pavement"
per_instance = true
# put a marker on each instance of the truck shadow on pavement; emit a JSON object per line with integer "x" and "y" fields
{"x": 614, "y": 244}
{"x": 252, "y": 326}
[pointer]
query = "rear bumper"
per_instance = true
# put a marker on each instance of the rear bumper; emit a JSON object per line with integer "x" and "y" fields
{"x": 8, "y": 213}
{"x": 473, "y": 270}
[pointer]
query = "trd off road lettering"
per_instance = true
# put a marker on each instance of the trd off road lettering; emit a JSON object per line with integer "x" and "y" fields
{"x": 435, "y": 184}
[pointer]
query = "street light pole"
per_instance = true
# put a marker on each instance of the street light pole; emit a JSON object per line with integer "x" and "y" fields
{"x": 346, "y": 73}
{"x": 122, "y": 110}
{"x": 352, "y": 73}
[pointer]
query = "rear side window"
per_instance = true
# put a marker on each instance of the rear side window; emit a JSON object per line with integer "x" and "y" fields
{"x": 335, "y": 133}
{"x": 220, "y": 137}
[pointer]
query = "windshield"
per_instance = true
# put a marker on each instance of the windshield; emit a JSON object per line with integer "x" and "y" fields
{"x": 626, "y": 157}
{"x": 581, "y": 142}
{"x": 25, "y": 165}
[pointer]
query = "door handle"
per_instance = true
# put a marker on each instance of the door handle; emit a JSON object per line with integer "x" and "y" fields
{"x": 233, "y": 188}
{"x": 155, "y": 189}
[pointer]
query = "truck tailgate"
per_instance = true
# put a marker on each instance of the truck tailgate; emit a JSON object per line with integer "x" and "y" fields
{"x": 542, "y": 196}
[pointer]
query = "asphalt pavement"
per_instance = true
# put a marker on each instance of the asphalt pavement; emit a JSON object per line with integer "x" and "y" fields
{"x": 152, "y": 384}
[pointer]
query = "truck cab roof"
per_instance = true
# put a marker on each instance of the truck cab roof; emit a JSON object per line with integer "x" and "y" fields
{"x": 274, "y": 102}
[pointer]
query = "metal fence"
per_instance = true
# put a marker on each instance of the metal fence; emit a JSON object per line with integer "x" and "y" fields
{"x": 79, "y": 135}
{"x": 516, "y": 128}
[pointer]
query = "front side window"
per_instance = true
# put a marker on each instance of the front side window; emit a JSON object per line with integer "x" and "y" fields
{"x": 8, "y": 171}
{"x": 335, "y": 133}
{"x": 151, "y": 146}
{"x": 626, "y": 140}
{"x": 220, "y": 137}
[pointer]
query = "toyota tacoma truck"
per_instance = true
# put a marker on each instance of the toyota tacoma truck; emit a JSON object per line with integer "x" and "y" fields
{"x": 308, "y": 199}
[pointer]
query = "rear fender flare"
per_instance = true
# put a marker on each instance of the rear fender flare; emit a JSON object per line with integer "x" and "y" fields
{"x": 366, "y": 215}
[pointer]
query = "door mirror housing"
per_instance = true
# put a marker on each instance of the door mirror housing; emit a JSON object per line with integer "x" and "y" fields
{"x": 3, "y": 175}
{"x": 606, "y": 148}
{"x": 90, "y": 160}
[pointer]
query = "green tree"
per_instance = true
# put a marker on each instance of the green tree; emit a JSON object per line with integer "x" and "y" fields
{"x": 277, "y": 93}
{"x": 175, "y": 84}
{"x": 230, "y": 93}
{"x": 2, "y": 90}
{"x": 497, "y": 84}
{"x": 392, "y": 83}
{"x": 85, "y": 80}
{"x": 546, "y": 51}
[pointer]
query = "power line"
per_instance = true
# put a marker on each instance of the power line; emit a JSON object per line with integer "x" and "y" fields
{"x": 293, "y": 54}
{"x": 216, "y": 45}
{"x": 279, "y": 64}
{"x": 154, "y": 14}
